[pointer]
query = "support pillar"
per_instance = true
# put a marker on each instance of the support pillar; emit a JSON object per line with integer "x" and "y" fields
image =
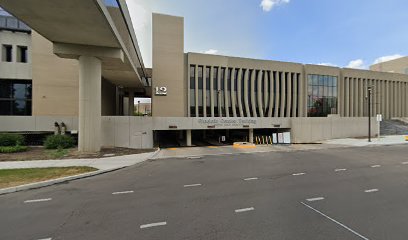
{"x": 251, "y": 135}
{"x": 90, "y": 73}
{"x": 131, "y": 104}
{"x": 188, "y": 138}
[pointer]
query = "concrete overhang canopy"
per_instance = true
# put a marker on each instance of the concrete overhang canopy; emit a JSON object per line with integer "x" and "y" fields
{"x": 85, "y": 23}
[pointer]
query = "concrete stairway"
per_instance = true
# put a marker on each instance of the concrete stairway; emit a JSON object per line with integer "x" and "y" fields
{"x": 394, "y": 127}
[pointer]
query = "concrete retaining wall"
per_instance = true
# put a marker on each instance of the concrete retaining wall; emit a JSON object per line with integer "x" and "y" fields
{"x": 137, "y": 132}
{"x": 309, "y": 130}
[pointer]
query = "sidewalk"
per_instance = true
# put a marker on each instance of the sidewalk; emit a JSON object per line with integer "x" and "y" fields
{"x": 385, "y": 140}
{"x": 104, "y": 164}
{"x": 223, "y": 150}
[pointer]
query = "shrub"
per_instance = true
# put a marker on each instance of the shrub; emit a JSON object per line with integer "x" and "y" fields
{"x": 8, "y": 139}
{"x": 13, "y": 149}
{"x": 59, "y": 142}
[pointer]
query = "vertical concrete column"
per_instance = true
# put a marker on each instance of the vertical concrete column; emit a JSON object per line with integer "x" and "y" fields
{"x": 360, "y": 97}
{"x": 90, "y": 73}
{"x": 205, "y": 91}
{"x": 266, "y": 91}
{"x": 253, "y": 99}
{"x": 240, "y": 93}
{"x": 251, "y": 135}
{"x": 219, "y": 96}
{"x": 387, "y": 98}
{"x": 117, "y": 99}
{"x": 295, "y": 96}
{"x": 212, "y": 90}
{"x": 259, "y": 95}
{"x": 233, "y": 93}
{"x": 277, "y": 96}
{"x": 132, "y": 103}
{"x": 188, "y": 138}
{"x": 196, "y": 91}
{"x": 283, "y": 95}
{"x": 246, "y": 94}
{"x": 347, "y": 97}
{"x": 302, "y": 92}
{"x": 226, "y": 92}
{"x": 271, "y": 96}
{"x": 289, "y": 97}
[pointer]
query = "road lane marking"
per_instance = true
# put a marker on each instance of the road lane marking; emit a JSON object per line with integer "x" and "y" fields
{"x": 250, "y": 179}
{"x": 340, "y": 170}
{"x": 371, "y": 190}
{"x": 298, "y": 174}
{"x": 244, "y": 210}
{"x": 45, "y": 239}
{"x": 38, "y": 200}
{"x": 193, "y": 185}
{"x": 153, "y": 225}
{"x": 376, "y": 166}
{"x": 335, "y": 221}
{"x": 315, "y": 199}
{"x": 124, "y": 192}
{"x": 405, "y": 163}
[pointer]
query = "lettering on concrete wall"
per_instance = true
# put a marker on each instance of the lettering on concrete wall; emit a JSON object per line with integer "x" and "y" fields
{"x": 225, "y": 122}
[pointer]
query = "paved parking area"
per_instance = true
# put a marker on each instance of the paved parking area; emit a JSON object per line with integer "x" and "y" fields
{"x": 344, "y": 193}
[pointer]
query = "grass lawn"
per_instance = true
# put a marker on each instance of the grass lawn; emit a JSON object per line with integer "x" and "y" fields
{"x": 16, "y": 177}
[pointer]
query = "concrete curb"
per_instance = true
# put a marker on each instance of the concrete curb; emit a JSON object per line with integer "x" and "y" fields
{"x": 55, "y": 181}
{"x": 69, "y": 178}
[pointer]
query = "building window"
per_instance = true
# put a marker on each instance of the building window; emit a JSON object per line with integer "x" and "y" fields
{"x": 22, "y": 54}
{"x": 15, "y": 97}
{"x": 7, "y": 53}
{"x": 322, "y": 95}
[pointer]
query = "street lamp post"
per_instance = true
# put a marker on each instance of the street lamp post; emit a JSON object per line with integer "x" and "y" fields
{"x": 369, "y": 89}
{"x": 138, "y": 105}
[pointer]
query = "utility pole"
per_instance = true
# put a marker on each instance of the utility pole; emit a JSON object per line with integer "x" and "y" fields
{"x": 369, "y": 89}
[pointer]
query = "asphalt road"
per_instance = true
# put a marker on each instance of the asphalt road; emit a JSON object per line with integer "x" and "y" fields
{"x": 348, "y": 193}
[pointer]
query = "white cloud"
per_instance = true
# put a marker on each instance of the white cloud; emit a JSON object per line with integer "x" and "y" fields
{"x": 327, "y": 64}
{"x": 267, "y": 5}
{"x": 210, "y": 51}
{"x": 357, "y": 64}
{"x": 387, "y": 58}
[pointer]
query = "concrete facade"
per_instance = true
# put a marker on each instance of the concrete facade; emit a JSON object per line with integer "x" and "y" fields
{"x": 89, "y": 81}
{"x": 15, "y": 69}
{"x": 399, "y": 65}
{"x": 168, "y": 66}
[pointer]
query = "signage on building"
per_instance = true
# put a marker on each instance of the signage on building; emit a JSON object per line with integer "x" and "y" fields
{"x": 227, "y": 122}
{"x": 379, "y": 117}
{"x": 161, "y": 91}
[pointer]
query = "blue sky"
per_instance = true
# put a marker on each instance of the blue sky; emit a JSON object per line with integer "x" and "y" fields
{"x": 353, "y": 33}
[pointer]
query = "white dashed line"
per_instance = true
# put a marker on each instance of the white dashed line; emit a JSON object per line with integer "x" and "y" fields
{"x": 405, "y": 163}
{"x": 335, "y": 221}
{"x": 376, "y": 166}
{"x": 371, "y": 190}
{"x": 244, "y": 210}
{"x": 193, "y": 185}
{"x": 38, "y": 200}
{"x": 125, "y": 192}
{"x": 45, "y": 239}
{"x": 315, "y": 199}
{"x": 153, "y": 225}
{"x": 251, "y": 179}
{"x": 298, "y": 174}
{"x": 340, "y": 170}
